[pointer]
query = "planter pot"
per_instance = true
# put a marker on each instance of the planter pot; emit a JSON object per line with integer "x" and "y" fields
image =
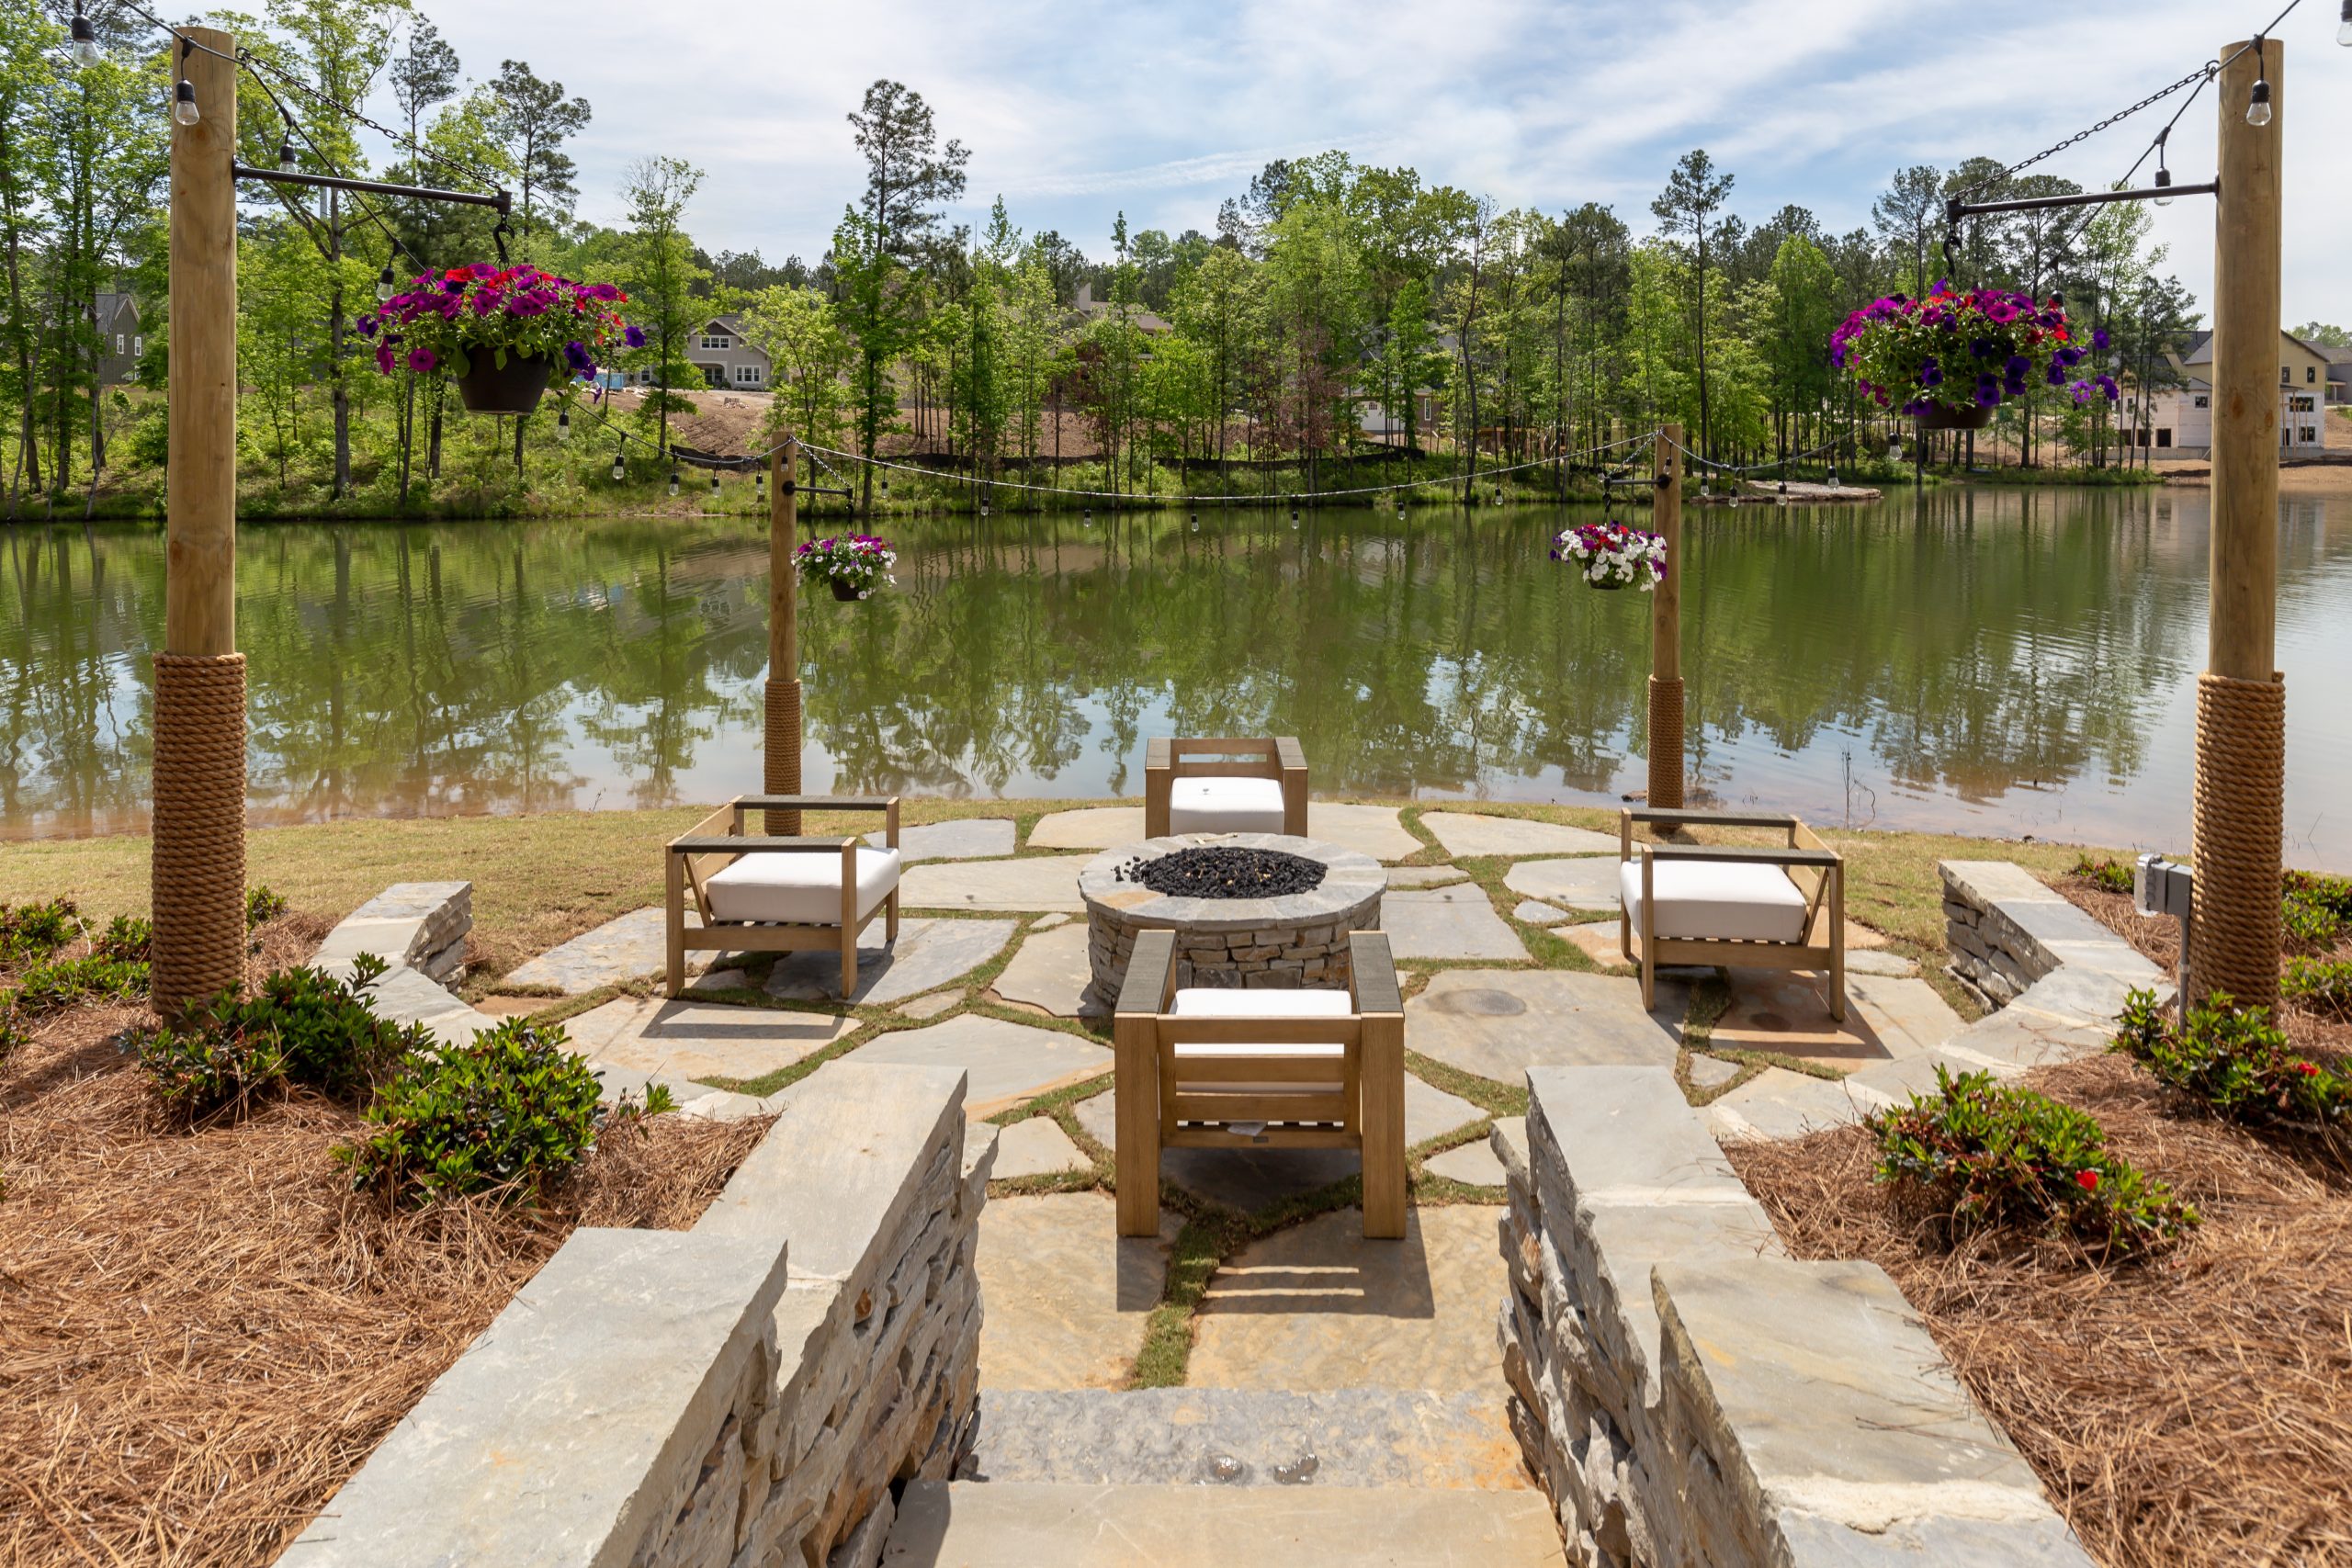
{"x": 1974, "y": 417}
{"x": 844, "y": 592}
{"x": 1609, "y": 584}
{"x": 516, "y": 388}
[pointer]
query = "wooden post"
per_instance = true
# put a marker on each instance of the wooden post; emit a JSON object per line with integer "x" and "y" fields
{"x": 1666, "y": 628}
{"x": 198, "y": 869}
{"x": 2241, "y": 700}
{"x": 783, "y": 736}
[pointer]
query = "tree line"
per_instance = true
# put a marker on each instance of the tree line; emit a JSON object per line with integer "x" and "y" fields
{"x": 1331, "y": 312}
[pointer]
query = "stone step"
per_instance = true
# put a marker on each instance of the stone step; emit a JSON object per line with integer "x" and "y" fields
{"x": 1231, "y": 1436}
{"x": 1027, "y": 1525}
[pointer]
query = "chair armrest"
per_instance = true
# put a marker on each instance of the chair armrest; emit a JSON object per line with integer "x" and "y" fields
{"x": 1372, "y": 970}
{"x": 1763, "y": 854}
{"x": 719, "y": 844}
{"x": 815, "y": 802}
{"x": 1158, "y": 752}
{"x": 1712, "y": 819}
{"x": 1150, "y": 968}
{"x": 1288, "y": 752}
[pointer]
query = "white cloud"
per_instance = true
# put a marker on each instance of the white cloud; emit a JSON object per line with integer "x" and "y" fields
{"x": 1075, "y": 111}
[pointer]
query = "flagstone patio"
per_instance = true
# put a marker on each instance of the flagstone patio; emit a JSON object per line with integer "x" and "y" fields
{"x": 1007, "y": 1063}
{"x": 1066, "y": 1298}
{"x": 969, "y": 838}
{"x": 1447, "y": 922}
{"x": 1034, "y": 883}
{"x": 928, "y": 955}
{"x": 1050, "y": 972}
{"x": 1499, "y": 1023}
{"x": 684, "y": 1041}
{"x": 1469, "y": 834}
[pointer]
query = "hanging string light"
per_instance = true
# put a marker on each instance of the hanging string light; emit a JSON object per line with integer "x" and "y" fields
{"x": 886, "y": 489}
{"x": 2343, "y": 28}
{"x": 1088, "y": 517}
{"x": 1832, "y": 476}
{"x": 620, "y": 465}
{"x": 714, "y": 487}
{"x": 85, "y": 39}
{"x": 385, "y": 284}
{"x": 2163, "y": 175}
{"x": 2257, "y": 105}
{"x": 674, "y": 484}
{"x": 1784, "y": 491}
{"x": 562, "y": 417}
{"x": 1894, "y": 448}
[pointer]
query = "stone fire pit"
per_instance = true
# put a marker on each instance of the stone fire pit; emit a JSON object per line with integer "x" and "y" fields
{"x": 1298, "y": 940}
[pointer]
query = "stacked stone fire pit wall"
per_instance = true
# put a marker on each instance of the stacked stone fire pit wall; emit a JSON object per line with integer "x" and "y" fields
{"x": 1296, "y": 942}
{"x": 1691, "y": 1397}
{"x": 686, "y": 1399}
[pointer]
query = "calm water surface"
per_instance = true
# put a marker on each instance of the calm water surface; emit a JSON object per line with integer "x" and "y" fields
{"x": 1984, "y": 661}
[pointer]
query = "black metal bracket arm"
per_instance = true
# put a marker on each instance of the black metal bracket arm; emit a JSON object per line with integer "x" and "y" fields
{"x": 503, "y": 201}
{"x": 1955, "y": 209}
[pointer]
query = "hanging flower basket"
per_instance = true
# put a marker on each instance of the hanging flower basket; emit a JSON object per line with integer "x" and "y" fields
{"x": 504, "y": 383}
{"x": 1612, "y": 555}
{"x": 499, "y": 331}
{"x": 1950, "y": 359}
{"x": 853, "y": 568}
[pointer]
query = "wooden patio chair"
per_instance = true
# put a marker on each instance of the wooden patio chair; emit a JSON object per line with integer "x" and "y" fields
{"x": 1225, "y": 786}
{"x": 1219, "y": 1069}
{"x": 760, "y": 893}
{"x": 1741, "y": 906}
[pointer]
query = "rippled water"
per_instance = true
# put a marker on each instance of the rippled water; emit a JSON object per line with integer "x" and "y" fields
{"x": 1983, "y": 661}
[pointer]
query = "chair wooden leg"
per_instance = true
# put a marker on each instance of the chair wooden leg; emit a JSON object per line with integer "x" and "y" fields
{"x": 674, "y": 908}
{"x": 1384, "y": 1126}
{"x": 1134, "y": 1044}
{"x": 893, "y": 926}
{"x": 1649, "y": 977}
{"x": 849, "y": 961}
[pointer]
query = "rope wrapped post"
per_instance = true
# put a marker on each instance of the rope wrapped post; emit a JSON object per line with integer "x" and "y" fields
{"x": 198, "y": 865}
{"x": 1666, "y": 628}
{"x": 2234, "y": 930}
{"x": 783, "y": 733}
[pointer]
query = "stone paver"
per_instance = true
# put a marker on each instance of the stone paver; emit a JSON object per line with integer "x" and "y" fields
{"x": 1465, "y": 833}
{"x": 1778, "y": 1103}
{"x": 1867, "y": 961}
{"x": 1499, "y": 1023}
{"x": 728, "y": 979}
{"x": 1788, "y": 1013}
{"x": 1090, "y": 828}
{"x": 1007, "y": 1063}
{"x": 1066, "y": 1296}
{"x": 1426, "y": 875}
{"x": 1375, "y": 830}
{"x": 1248, "y": 1180}
{"x": 1712, "y": 1072}
{"x": 930, "y": 1006}
{"x": 1047, "y": 922}
{"x": 1051, "y": 971}
{"x": 1318, "y": 1306}
{"x": 1035, "y": 883}
{"x": 1447, "y": 922}
{"x": 973, "y": 838}
{"x": 1477, "y": 1164}
{"x": 1538, "y": 914}
{"x": 927, "y": 955}
{"x": 684, "y": 1041}
{"x": 1590, "y": 883}
{"x": 626, "y": 948}
{"x": 1598, "y": 940}
{"x": 1036, "y": 1147}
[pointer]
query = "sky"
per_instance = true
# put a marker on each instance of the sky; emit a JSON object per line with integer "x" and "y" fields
{"x": 1074, "y": 112}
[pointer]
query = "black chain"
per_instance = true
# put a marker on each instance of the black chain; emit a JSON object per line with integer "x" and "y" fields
{"x": 2210, "y": 68}
{"x": 256, "y": 63}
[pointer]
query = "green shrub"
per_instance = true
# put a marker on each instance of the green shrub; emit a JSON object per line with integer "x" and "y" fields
{"x": 2316, "y": 908}
{"x": 513, "y": 1110}
{"x": 36, "y": 931}
{"x": 127, "y": 937}
{"x": 11, "y": 1037}
{"x": 2320, "y": 985}
{"x": 2112, "y": 875}
{"x": 304, "y": 1027}
{"x": 1987, "y": 1156}
{"x": 2235, "y": 1060}
{"x": 68, "y": 982}
{"x": 262, "y": 905}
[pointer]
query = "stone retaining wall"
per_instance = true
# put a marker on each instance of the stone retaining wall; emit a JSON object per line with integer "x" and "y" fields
{"x": 1691, "y": 1397}
{"x": 745, "y": 1394}
{"x": 419, "y": 930}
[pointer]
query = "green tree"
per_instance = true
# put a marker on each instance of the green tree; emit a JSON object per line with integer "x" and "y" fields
{"x": 661, "y": 278}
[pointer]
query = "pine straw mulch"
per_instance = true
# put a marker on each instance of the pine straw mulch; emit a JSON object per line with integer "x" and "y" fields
{"x": 202, "y": 1335}
{"x": 2195, "y": 1409}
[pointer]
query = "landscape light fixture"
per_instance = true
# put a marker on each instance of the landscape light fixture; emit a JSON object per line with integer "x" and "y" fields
{"x": 184, "y": 108}
{"x": 85, "y": 39}
{"x": 564, "y": 425}
{"x": 2257, "y": 106}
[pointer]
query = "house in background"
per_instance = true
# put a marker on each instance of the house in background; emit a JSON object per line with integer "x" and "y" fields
{"x": 2181, "y": 418}
{"x": 726, "y": 358}
{"x": 121, "y": 340}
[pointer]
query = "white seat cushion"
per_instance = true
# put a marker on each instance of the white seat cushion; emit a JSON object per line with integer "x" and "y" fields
{"x": 1716, "y": 901}
{"x": 1225, "y": 806}
{"x": 800, "y": 887}
{"x": 1211, "y": 1001}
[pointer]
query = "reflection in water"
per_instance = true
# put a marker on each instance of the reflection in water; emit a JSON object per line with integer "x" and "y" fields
{"x": 1987, "y": 660}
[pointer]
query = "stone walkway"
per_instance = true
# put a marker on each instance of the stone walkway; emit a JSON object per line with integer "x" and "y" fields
{"x": 928, "y": 955}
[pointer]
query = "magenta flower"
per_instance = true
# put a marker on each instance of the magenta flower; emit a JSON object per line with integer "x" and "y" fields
{"x": 421, "y": 359}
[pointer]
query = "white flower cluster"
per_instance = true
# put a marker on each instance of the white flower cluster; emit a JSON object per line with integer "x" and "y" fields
{"x": 1621, "y": 556}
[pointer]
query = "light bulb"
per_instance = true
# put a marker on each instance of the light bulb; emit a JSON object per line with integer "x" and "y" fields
{"x": 674, "y": 484}
{"x": 1196, "y": 525}
{"x": 984, "y": 509}
{"x": 2343, "y": 28}
{"x": 2164, "y": 186}
{"x": 564, "y": 425}
{"x": 714, "y": 487}
{"x": 1089, "y": 517}
{"x": 2258, "y": 108}
{"x": 1895, "y": 451}
{"x": 886, "y": 488}
{"x": 1833, "y": 479}
{"x": 620, "y": 468}
{"x": 184, "y": 108}
{"x": 86, "y": 40}
{"x": 384, "y": 286}
{"x": 285, "y": 151}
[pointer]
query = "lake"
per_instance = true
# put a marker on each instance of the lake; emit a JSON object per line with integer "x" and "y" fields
{"x": 1982, "y": 660}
